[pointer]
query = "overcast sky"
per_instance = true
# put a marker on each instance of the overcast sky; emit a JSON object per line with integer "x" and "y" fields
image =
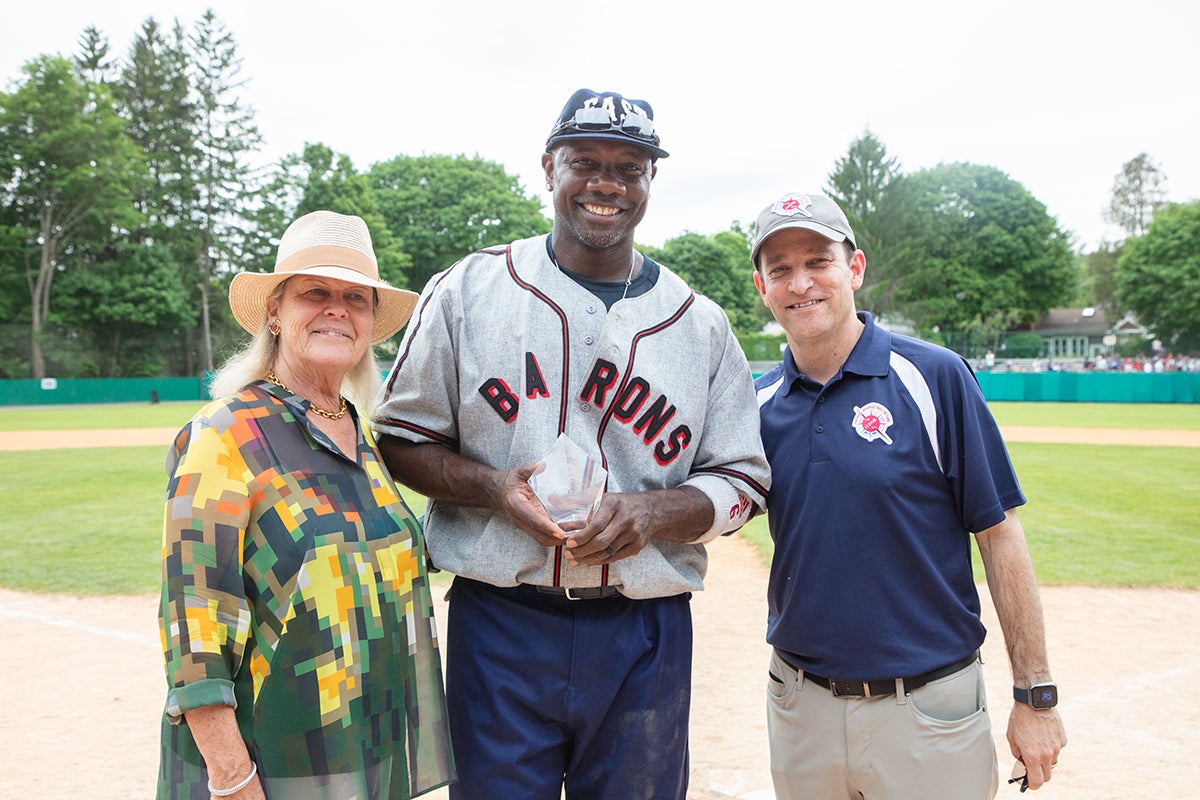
{"x": 752, "y": 99}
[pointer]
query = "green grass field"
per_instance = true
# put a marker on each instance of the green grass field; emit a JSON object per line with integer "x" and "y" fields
{"x": 116, "y": 415}
{"x": 1150, "y": 416}
{"x": 88, "y": 521}
{"x": 1101, "y": 515}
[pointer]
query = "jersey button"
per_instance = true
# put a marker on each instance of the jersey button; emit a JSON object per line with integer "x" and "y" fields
{"x": 589, "y": 340}
{"x": 585, "y": 407}
{"x": 820, "y": 429}
{"x": 591, "y": 309}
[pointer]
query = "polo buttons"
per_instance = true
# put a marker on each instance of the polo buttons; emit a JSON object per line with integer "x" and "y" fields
{"x": 591, "y": 309}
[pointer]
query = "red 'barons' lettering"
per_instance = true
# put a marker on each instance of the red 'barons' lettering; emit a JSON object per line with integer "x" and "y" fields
{"x": 669, "y": 449}
{"x": 604, "y": 375}
{"x": 535, "y": 384}
{"x": 631, "y": 399}
{"x": 655, "y": 419}
{"x": 501, "y": 398}
{"x": 631, "y": 406}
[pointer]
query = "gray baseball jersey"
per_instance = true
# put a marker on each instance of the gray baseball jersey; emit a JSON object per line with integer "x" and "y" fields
{"x": 505, "y": 352}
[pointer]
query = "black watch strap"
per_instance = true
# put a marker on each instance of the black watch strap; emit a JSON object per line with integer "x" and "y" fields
{"x": 1040, "y": 695}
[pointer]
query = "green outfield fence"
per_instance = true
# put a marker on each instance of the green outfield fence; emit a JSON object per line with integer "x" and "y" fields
{"x": 1059, "y": 387}
{"x": 1092, "y": 387}
{"x": 63, "y": 391}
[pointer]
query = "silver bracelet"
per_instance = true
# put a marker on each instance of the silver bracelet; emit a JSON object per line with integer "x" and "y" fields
{"x": 234, "y": 789}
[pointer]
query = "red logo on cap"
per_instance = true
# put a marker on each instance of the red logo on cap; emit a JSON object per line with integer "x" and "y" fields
{"x": 793, "y": 204}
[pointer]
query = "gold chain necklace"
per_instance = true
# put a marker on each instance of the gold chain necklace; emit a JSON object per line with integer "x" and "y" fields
{"x": 341, "y": 412}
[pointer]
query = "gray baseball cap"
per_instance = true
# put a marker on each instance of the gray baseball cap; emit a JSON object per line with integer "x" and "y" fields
{"x": 814, "y": 212}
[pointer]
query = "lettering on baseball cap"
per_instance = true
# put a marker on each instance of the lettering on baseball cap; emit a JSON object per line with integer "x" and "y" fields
{"x": 607, "y": 115}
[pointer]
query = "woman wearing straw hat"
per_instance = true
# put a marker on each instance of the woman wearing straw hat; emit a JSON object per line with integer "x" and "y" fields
{"x": 297, "y": 624}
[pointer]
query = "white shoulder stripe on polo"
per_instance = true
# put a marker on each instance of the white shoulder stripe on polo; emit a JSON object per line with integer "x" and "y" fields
{"x": 914, "y": 381}
{"x": 767, "y": 392}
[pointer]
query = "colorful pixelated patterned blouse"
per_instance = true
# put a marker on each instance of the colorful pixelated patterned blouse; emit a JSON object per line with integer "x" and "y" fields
{"x": 294, "y": 589}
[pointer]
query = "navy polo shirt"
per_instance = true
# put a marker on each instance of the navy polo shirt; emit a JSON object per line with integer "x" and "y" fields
{"x": 878, "y": 479}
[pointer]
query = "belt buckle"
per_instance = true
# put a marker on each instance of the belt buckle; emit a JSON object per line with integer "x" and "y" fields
{"x": 849, "y": 688}
{"x": 570, "y": 596}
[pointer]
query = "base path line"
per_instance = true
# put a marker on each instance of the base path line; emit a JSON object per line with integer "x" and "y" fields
{"x": 68, "y": 624}
{"x": 1132, "y": 436}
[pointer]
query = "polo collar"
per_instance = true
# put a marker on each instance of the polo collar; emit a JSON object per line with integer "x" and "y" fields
{"x": 871, "y": 356}
{"x": 872, "y": 353}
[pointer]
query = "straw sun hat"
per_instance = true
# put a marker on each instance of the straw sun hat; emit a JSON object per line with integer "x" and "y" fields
{"x": 330, "y": 245}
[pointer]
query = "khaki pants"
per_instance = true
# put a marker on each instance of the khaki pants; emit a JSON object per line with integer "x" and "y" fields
{"x": 932, "y": 744}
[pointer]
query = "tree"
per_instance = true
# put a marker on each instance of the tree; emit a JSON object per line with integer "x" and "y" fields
{"x": 1158, "y": 276}
{"x": 442, "y": 208}
{"x": 978, "y": 249}
{"x": 718, "y": 267}
{"x": 122, "y": 309}
{"x": 67, "y": 170}
{"x": 225, "y": 137}
{"x": 859, "y": 184}
{"x": 1139, "y": 190}
{"x": 93, "y": 64}
{"x": 14, "y": 302}
{"x": 154, "y": 96}
{"x": 1101, "y": 272}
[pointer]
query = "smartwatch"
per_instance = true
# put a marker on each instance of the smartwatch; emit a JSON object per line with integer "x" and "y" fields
{"x": 1040, "y": 695}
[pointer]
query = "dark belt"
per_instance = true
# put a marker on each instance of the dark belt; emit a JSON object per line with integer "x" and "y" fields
{"x": 575, "y": 593}
{"x": 883, "y": 687}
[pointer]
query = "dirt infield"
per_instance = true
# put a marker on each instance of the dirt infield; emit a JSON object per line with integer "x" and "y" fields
{"x": 84, "y": 686}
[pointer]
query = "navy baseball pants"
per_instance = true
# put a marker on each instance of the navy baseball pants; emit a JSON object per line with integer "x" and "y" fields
{"x": 547, "y": 693}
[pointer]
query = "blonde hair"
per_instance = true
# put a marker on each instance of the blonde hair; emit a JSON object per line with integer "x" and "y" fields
{"x": 253, "y": 361}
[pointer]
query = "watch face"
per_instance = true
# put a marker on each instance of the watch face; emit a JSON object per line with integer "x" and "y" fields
{"x": 1045, "y": 696}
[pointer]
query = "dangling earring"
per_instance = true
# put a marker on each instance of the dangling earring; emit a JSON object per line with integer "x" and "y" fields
{"x": 274, "y": 327}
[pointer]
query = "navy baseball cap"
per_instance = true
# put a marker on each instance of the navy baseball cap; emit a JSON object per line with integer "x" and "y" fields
{"x": 606, "y": 115}
{"x": 814, "y": 212}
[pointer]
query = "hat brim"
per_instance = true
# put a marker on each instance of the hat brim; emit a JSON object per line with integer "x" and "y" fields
{"x": 654, "y": 149}
{"x": 248, "y": 293}
{"x": 832, "y": 234}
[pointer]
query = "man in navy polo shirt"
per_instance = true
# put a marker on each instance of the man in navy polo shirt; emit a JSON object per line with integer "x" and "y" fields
{"x": 885, "y": 459}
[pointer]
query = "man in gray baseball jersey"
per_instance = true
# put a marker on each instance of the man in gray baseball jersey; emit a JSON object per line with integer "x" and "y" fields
{"x": 569, "y": 646}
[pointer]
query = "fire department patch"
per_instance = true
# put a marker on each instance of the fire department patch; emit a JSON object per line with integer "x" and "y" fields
{"x": 872, "y": 421}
